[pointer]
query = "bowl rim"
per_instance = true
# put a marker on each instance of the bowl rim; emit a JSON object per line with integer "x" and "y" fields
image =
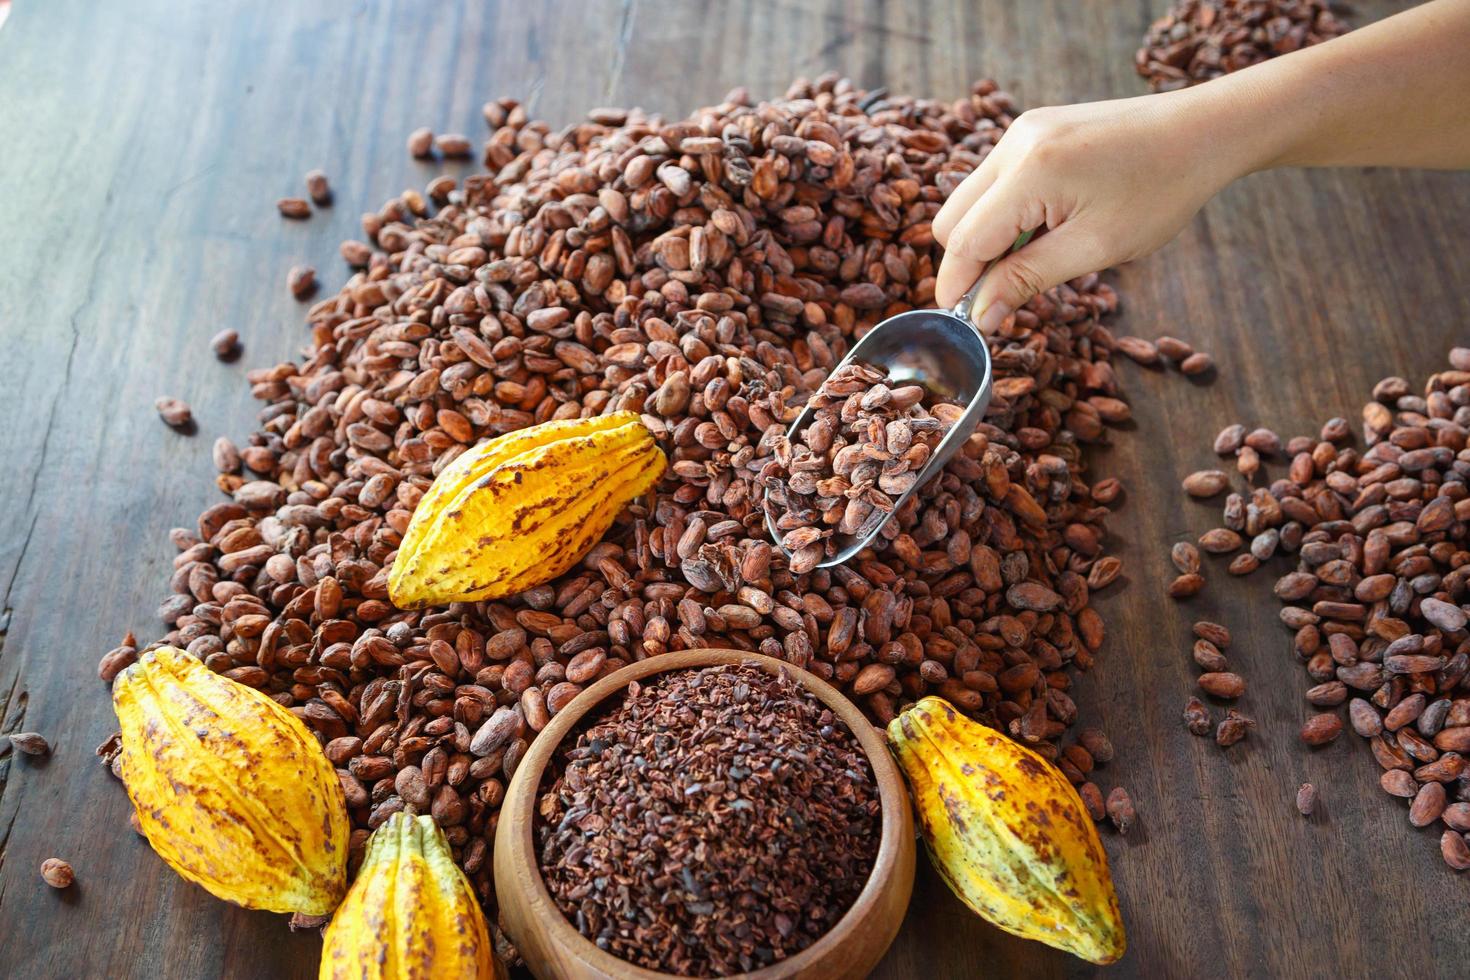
{"x": 515, "y": 848}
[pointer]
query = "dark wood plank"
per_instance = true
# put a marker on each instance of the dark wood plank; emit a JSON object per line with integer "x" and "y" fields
{"x": 143, "y": 154}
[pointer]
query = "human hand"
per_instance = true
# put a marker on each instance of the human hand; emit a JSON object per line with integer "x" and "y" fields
{"x": 1111, "y": 181}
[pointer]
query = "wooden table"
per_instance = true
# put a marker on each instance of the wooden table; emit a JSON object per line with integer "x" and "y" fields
{"x": 144, "y": 143}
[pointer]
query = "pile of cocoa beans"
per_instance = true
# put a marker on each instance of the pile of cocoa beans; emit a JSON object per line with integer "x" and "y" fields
{"x": 1198, "y": 40}
{"x": 708, "y": 274}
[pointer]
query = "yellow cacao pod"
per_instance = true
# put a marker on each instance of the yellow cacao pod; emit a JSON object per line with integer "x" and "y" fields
{"x": 1007, "y": 832}
{"x": 410, "y": 914}
{"x": 521, "y": 509}
{"x": 230, "y": 788}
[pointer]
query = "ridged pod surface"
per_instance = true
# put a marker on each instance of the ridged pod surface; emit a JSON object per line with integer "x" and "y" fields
{"x": 410, "y": 914}
{"x": 1007, "y": 832}
{"x": 230, "y": 788}
{"x": 522, "y": 508}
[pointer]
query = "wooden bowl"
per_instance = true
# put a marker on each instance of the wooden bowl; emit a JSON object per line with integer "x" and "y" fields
{"x": 552, "y": 947}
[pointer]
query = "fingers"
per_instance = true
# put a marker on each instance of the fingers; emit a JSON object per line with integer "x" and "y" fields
{"x": 956, "y": 274}
{"x": 994, "y": 222}
{"x": 984, "y": 232}
{"x": 964, "y": 197}
{"x": 1045, "y": 262}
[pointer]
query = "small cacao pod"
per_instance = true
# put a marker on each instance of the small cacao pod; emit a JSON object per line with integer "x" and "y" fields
{"x": 1008, "y": 832}
{"x": 519, "y": 510}
{"x": 410, "y": 914}
{"x": 230, "y": 788}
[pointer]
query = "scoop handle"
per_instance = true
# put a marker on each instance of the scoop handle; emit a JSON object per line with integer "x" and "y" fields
{"x": 962, "y": 309}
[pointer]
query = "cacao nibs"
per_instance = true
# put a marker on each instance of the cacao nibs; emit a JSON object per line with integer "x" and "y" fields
{"x": 1198, "y": 40}
{"x": 608, "y": 266}
{"x": 1379, "y": 598}
{"x": 717, "y": 821}
{"x": 862, "y": 449}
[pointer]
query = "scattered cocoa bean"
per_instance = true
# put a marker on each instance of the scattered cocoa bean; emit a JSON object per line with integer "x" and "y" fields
{"x": 226, "y": 345}
{"x": 1120, "y": 809}
{"x": 453, "y": 145}
{"x": 318, "y": 187}
{"x": 1097, "y": 744}
{"x": 1204, "y": 484}
{"x": 1428, "y": 804}
{"x": 1138, "y": 349}
{"x": 1243, "y": 564}
{"x": 1321, "y": 729}
{"x": 1398, "y": 782}
{"x": 421, "y": 143}
{"x": 57, "y": 873}
{"x": 1234, "y": 727}
{"x": 1213, "y": 632}
{"x": 1196, "y": 717}
{"x": 1185, "y": 557}
{"x": 1231, "y": 438}
{"x": 1222, "y": 684}
{"x": 1219, "y": 541}
{"x": 1197, "y": 364}
{"x": 301, "y": 280}
{"x": 1455, "y": 851}
{"x": 293, "y": 207}
{"x": 1186, "y": 585}
{"x": 1173, "y": 348}
{"x": 1092, "y": 801}
{"x": 174, "y": 411}
{"x": 30, "y": 743}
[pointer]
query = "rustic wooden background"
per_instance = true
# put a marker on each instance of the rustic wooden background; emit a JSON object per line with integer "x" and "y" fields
{"x": 144, "y": 143}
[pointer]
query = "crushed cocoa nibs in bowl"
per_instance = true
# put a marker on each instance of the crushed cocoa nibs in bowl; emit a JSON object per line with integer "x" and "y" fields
{"x": 716, "y": 821}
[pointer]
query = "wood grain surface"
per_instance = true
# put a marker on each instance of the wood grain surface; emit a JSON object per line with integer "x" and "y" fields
{"x": 144, "y": 144}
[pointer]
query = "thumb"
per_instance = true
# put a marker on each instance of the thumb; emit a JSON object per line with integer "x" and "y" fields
{"x": 1042, "y": 263}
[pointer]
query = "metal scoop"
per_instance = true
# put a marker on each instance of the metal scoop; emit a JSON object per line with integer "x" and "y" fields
{"x": 941, "y": 350}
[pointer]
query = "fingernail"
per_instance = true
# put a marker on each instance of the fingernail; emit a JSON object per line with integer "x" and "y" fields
{"x": 993, "y": 317}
